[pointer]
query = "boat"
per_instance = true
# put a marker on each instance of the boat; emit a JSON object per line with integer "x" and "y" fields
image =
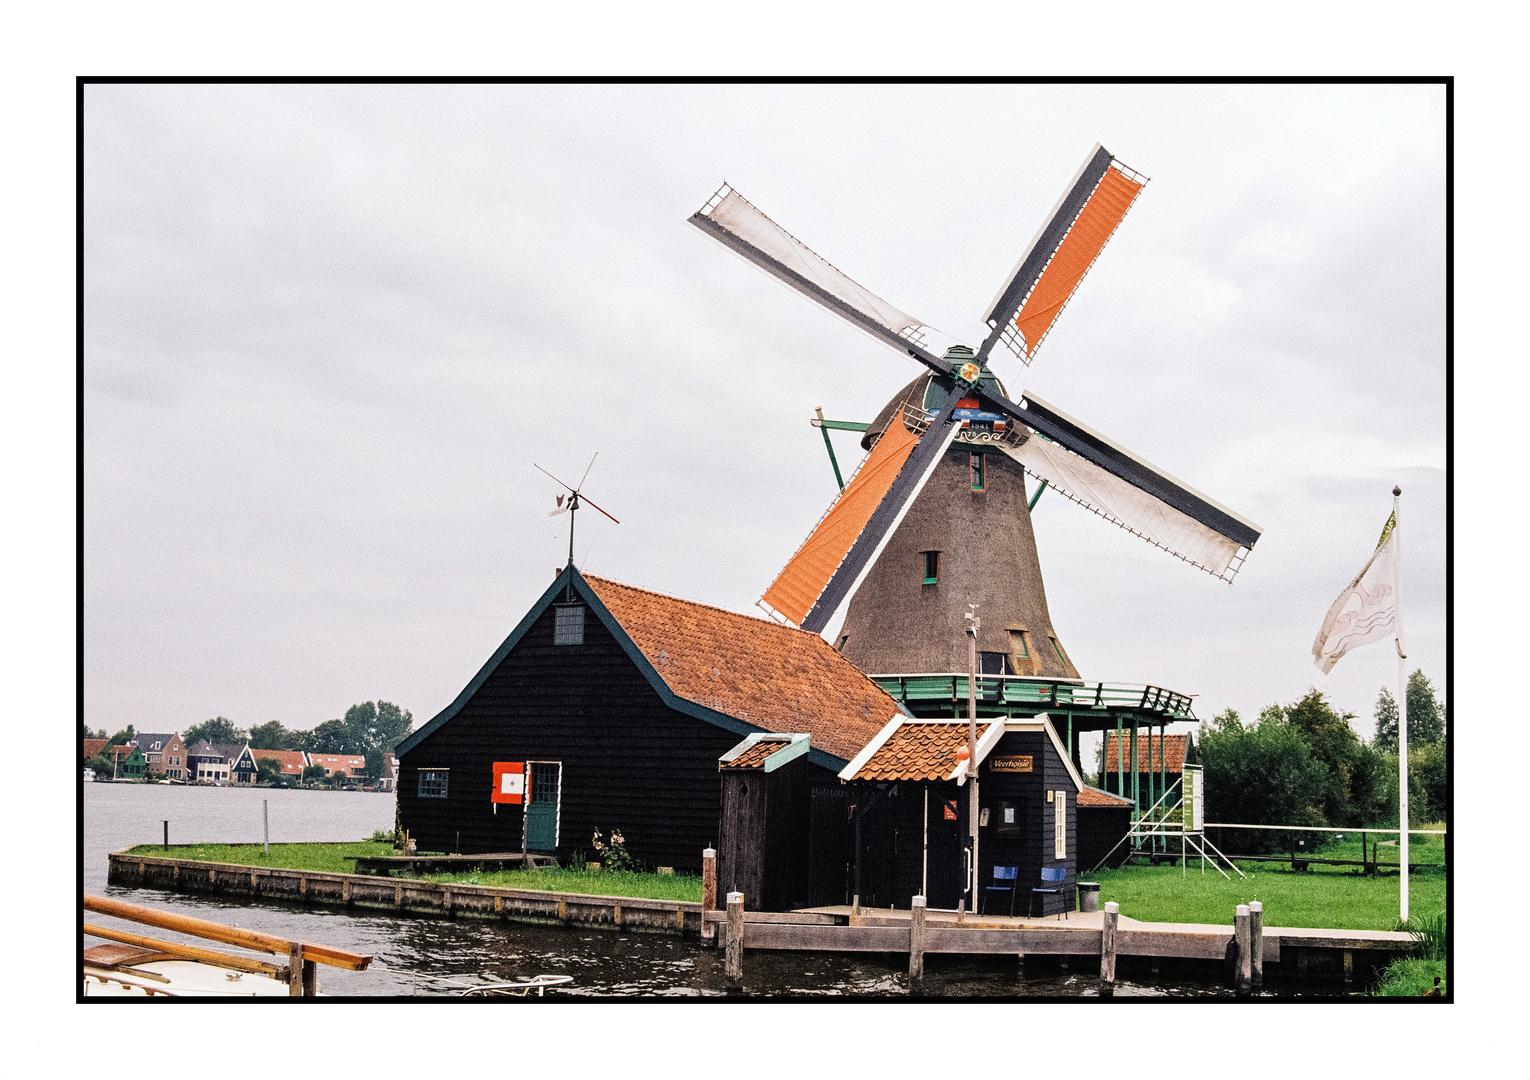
{"x": 132, "y": 965}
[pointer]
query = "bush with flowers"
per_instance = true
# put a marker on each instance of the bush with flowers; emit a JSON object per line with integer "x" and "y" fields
{"x": 612, "y": 853}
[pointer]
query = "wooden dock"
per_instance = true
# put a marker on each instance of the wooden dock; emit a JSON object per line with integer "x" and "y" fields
{"x": 371, "y": 892}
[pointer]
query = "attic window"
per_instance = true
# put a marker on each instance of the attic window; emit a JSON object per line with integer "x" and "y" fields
{"x": 568, "y": 624}
{"x": 993, "y": 663}
{"x": 1059, "y": 651}
{"x": 979, "y": 483}
{"x": 931, "y": 566}
{"x": 1018, "y": 645}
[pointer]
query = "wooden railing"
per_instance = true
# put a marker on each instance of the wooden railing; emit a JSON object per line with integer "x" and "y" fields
{"x": 299, "y": 973}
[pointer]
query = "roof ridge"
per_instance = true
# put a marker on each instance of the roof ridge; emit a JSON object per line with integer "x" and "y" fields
{"x": 698, "y": 603}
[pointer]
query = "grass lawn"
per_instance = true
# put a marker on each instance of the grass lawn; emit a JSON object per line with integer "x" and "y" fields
{"x": 324, "y": 858}
{"x": 592, "y": 882}
{"x": 1338, "y": 897}
{"x": 331, "y": 858}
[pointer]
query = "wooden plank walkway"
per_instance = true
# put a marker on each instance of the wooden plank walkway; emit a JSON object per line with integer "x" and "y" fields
{"x": 837, "y": 929}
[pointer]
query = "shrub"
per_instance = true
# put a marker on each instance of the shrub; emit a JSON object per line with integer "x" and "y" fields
{"x": 613, "y": 853}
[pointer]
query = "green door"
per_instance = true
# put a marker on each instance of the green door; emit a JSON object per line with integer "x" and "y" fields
{"x": 542, "y": 807}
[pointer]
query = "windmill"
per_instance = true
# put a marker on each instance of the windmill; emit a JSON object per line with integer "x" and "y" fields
{"x": 569, "y": 504}
{"x": 936, "y": 517}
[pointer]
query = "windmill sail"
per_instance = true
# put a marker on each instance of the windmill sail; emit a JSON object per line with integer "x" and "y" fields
{"x": 1145, "y": 501}
{"x": 1060, "y": 254}
{"x": 736, "y": 223}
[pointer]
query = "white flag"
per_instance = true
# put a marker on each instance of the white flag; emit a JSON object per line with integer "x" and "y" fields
{"x": 1367, "y": 610}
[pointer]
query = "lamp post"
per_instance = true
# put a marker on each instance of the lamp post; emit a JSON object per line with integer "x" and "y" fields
{"x": 973, "y": 624}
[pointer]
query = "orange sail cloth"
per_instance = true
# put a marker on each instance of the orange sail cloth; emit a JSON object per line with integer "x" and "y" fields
{"x": 1093, "y": 227}
{"x": 801, "y": 583}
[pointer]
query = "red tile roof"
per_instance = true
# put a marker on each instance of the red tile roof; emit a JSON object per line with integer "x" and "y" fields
{"x": 292, "y": 760}
{"x": 754, "y": 757}
{"x": 92, "y": 747}
{"x": 345, "y": 763}
{"x": 917, "y": 750}
{"x": 1095, "y": 797}
{"x": 775, "y": 677}
{"x": 1172, "y": 746}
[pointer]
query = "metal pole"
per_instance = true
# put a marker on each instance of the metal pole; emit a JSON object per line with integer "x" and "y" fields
{"x": 972, "y": 794}
{"x": 1402, "y": 706}
{"x": 265, "y": 819}
{"x": 838, "y": 479}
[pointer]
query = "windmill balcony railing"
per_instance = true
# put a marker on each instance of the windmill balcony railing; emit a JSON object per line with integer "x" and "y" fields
{"x": 1023, "y": 691}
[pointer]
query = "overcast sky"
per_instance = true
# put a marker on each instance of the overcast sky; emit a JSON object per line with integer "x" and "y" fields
{"x": 329, "y": 330}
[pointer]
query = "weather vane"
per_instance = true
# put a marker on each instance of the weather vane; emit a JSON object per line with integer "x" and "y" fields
{"x": 569, "y": 504}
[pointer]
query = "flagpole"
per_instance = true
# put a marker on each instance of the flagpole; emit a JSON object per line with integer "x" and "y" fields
{"x": 1402, "y": 705}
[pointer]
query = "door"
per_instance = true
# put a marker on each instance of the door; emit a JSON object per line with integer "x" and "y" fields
{"x": 542, "y": 807}
{"x": 946, "y": 857}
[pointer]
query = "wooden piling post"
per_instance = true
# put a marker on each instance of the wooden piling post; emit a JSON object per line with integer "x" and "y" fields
{"x": 734, "y": 963}
{"x": 708, "y": 893}
{"x": 295, "y": 969}
{"x": 916, "y": 945}
{"x": 1108, "y": 948}
{"x": 1245, "y": 970}
{"x": 1349, "y": 965}
{"x": 167, "y": 836}
{"x": 1256, "y": 940}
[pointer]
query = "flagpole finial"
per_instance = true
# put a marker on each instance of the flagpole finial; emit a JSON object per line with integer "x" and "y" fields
{"x": 1396, "y": 491}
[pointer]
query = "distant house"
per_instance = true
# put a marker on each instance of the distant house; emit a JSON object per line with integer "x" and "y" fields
{"x": 608, "y": 707}
{"x": 163, "y": 755}
{"x": 389, "y": 778}
{"x": 127, "y": 759}
{"x": 209, "y": 763}
{"x": 91, "y": 748}
{"x": 1160, "y": 764}
{"x": 242, "y": 768}
{"x": 349, "y": 766}
{"x": 293, "y": 762}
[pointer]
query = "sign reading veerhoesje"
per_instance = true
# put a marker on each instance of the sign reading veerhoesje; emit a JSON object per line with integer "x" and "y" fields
{"x": 509, "y": 782}
{"x": 1010, "y": 764}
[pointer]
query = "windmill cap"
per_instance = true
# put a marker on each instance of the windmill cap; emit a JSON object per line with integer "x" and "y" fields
{"x": 958, "y": 352}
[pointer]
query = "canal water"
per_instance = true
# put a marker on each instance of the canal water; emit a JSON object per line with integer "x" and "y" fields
{"x": 428, "y": 956}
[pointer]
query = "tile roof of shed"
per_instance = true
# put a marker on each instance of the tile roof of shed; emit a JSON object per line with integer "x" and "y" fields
{"x": 1172, "y": 746}
{"x": 775, "y": 677}
{"x": 754, "y": 757}
{"x": 1090, "y": 796}
{"x": 917, "y": 750}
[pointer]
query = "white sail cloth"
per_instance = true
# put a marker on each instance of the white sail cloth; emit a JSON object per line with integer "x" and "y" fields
{"x": 740, "y": 217}
{"x": 1130, "y": 507}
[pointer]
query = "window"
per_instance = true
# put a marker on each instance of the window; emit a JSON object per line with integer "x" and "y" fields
{"x": 433, "y": 783}
{"x": 931, "y": 566}
{"x": 978, "y": 483}
{"x": 1018, "y": 645}
{"x": 1060, "y": 825}
{"x": 568, "y": 624}
{"x": 993, "y": 663}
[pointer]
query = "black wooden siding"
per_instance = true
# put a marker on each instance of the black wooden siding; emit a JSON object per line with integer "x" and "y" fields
{"x": 1035, "y": 848}
{"x": 1101, "y": 828}
{"x": 629, "y": 761}
{"x": 764, "y": 849}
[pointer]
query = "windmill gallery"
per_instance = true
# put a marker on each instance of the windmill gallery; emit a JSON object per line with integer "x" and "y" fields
{"x": 871, "y": 768}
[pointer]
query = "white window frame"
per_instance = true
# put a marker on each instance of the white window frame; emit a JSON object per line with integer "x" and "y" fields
{"x": 1060, "y": 824}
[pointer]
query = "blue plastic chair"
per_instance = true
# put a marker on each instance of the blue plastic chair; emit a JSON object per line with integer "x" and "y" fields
{"x": 1055, "y": 875}
{"x": 1004, "y": 873}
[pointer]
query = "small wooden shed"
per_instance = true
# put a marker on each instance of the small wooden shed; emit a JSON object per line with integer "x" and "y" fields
{"x": 915, "y": 839}
{"x": 765, "y": 832}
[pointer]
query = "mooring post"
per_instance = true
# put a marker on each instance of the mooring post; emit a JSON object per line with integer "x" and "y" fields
{"x": 1241, "y": 935}
{"x": 1256, "y": 940}
{"x": 916, "y": 945}
{"x": 295, "y": 969}
{"x": 708, "y": 893}
{"x": 265, "y": 818}
{"x": 734, "y": 963}
{"x": 1108, "y": 948}
{"x": 167, "y": 836}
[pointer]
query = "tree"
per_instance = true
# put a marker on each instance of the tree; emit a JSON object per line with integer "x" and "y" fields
{"x": 268, "y": 770}
{"x": 271, "y": 736}
{"x": 99, "y": 763}
{"x": 216, "y": 730}
{"x": 393, "y": 724}
{"x": 123, "y": 736}
{"x": 1335, "y": 744}
{"x": 374, "y": 765}
{"x": 330, "y": 737}
{"x": 375, "y": 725}
{"x": 1426, "y": 718}
{"x": 1262, "y": 775}
{"x": 1386, "y": 723}
{"x": 313, "y": 773}
{"x": 86, "y": 733}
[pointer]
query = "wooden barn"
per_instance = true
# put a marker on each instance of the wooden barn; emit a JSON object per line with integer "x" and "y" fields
{"x": 609, "y": 707}
{"x": 912, "y": 838}
{"x": 1160, "y": 765}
